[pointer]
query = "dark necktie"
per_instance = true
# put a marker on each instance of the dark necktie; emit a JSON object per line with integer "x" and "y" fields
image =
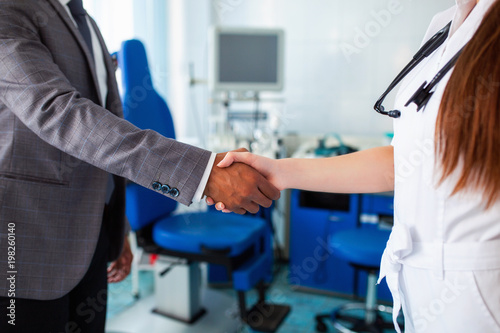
{"x": 80, "y": 16}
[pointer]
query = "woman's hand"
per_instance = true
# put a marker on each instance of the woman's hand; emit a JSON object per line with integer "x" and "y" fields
{"x": 266, "y": 166}
{"x": 366, "y": 171}
{"x": 219, "y": 206}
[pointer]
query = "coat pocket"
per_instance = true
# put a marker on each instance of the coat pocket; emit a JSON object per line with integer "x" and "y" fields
{"x": 30, "y": 179}
{"x": 488, "y": 295}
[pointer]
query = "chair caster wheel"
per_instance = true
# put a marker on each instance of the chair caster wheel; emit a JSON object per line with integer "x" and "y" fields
{"x": 320, "y": 326}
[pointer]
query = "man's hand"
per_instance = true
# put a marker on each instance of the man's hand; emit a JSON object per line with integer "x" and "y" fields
{"x": 240, "y": 187}
{"x": 120, "y": 268}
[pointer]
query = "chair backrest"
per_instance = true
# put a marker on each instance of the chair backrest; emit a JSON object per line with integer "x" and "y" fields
{"x": 146, "y": 109}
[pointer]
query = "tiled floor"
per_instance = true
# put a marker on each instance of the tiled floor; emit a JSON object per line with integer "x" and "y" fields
{"x": 127, "y": 315}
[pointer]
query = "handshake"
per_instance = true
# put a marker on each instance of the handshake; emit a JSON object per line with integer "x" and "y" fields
{"x": 241, "y": 181}
{"x": 240, "y": 187}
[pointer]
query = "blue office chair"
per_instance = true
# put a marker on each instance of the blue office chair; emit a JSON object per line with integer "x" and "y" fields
{"x": 241, "y": 244}
{"x": 362, "y": 248}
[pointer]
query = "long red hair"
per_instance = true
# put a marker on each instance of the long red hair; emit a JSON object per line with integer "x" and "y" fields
{"x": 468, "y": 123}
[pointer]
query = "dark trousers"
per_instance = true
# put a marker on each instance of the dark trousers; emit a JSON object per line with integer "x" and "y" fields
{"x": 82, "y": 310}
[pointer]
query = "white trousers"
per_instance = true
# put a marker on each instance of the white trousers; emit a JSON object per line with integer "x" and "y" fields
{"x": 464, "y": 301}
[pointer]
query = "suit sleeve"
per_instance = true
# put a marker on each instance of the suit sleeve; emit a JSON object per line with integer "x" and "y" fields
{"x": 33, "y": 87}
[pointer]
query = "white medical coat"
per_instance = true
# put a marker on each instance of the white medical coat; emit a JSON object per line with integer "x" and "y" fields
{"x": 442, "y": 261}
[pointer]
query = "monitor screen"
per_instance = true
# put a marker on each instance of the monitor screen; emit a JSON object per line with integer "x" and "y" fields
{"x": 247, "y": 59}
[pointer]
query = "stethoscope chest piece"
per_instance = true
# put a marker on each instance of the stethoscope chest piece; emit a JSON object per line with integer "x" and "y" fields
{"x": 421, "y": 97}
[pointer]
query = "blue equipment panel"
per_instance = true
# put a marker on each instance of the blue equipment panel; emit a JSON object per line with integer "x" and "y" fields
{"x": 314, "y": 217}
{"x": 380, "y": 204}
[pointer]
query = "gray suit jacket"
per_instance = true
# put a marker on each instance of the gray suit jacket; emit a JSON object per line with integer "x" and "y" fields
{"x": 57, "y": 146}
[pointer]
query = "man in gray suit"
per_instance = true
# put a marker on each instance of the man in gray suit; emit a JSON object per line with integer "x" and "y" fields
{"x": 62, "y": 135}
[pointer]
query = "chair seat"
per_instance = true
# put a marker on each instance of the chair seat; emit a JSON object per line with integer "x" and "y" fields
{"x": 360, "y": 246}
{"x": 213, "y": 230}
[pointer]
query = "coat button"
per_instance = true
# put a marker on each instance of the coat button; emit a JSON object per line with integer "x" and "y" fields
{"x": 166, "y": 189}
{"x": 174, "y": 192}
{"x": 156, "y": 186}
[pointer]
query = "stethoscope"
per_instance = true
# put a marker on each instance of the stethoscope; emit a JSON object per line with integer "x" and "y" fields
{"x": 424, "y": 93}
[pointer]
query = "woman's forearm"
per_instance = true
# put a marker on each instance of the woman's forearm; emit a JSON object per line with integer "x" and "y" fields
{"x": 366, "y": 171}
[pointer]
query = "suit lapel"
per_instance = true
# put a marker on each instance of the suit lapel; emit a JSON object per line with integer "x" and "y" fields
{"x": 114, "y": 102}
{"x": 76, "y": 34}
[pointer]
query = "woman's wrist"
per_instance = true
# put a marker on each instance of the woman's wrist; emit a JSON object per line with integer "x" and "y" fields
{"x": 279, "y": 174}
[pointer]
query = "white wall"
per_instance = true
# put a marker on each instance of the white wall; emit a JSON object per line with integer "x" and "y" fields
{"x": 340, "y": 55}
{"x": 188, "y": 23}
{"x": 174, "y": 34}
{"x": 115, "y": 20}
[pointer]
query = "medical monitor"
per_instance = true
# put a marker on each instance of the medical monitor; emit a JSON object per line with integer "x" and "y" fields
{"x": 246, "y": 59}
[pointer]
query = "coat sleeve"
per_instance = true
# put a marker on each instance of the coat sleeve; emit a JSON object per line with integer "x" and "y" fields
{"x": 34, "y": 88}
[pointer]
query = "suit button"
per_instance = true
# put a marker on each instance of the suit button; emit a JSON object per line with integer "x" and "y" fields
{"x": 174, "y": 192}
{"x": 166, "y": 189}
{"x": 156, "y": 186}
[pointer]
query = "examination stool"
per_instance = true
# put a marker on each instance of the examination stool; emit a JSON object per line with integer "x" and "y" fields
{"x": 362, "y": 248}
